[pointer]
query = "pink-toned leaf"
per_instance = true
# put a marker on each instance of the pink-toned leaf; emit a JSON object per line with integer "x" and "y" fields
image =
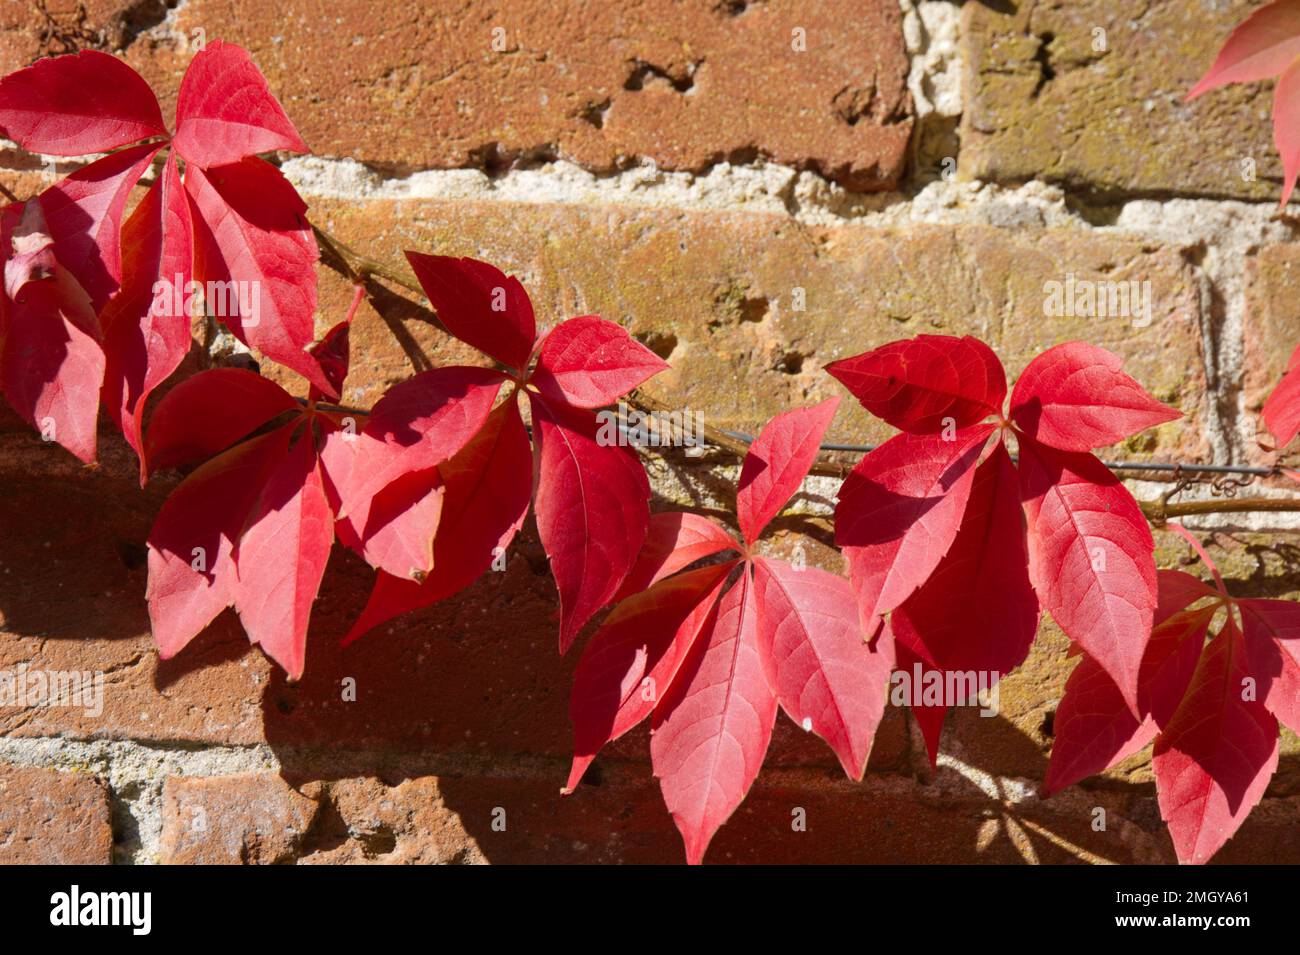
{"x": 777, "y": 463}
{"x": 1286, "y": 126}
{"x": 929, "y": 718}
{"x": 333, "y": 353}
{"x": 899, "y": 512}
{"x": 251, "y": 233}
{"x": 146, "y": 326}
{"x": 1074, "y": 397}
{"x": 418, "y": 424}
{"x": 1170, "y": 660}
{"x": 711, "y": 731}
{"x": 487, "y": 487}
{"x": 1271, "y": 632}
{"x": 825, "y": 676}
{"x": 480, "y": 305}
{"x": 1093, "y": 728}
{"x": 224, "y": 111}
{"x": 588, "y": 362}
{"x": 675, "y": 540}
{"x": 52, "y": 364}
{"x": 977, "y": 612}
{"x": 1261, "y": 47}
{"x": 631, "y": 662}
{"x": 191, "y": 568}
{"x": 1090, "y": 557}
{"x": 281, "y": 557}
{"x": 592, "y": 508}
{"x": 922, "y": 384}
{"x": 89, "y": 102}
{"x": 1282, "y": 409}
{"x": 1213, "y": 761}
{"x": 208, "y": 413}
{"x": 84, "y": 213}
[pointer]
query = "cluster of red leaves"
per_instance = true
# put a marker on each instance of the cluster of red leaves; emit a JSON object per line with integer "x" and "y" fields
{"x": 930, "y": 522}
{"x": 439, "y": 481}
{"x": 96, "y": 309}
{"x": 1212, "y": 708}
{"x": 253, "y": 525}
{"x": 1263, "y": 46}
{"x": 708, "y": 653}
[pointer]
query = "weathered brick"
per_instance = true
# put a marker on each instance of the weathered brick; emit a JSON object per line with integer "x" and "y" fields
{"x": 32, "y": 30}
{"x": 49, "y": 817}
{"x": 714, "y": 293}
{"x": 252, "y": 819}
{"x": 1272, "y": 321}
{"x": 472, "y": 818}
{"x": 1041, "y": 102}
{"x": 604, "y": 85}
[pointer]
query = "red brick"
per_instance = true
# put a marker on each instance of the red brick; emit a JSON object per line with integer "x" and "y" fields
{"x": 252, "y": 819}
{"x": 31, "y": 30}
{"x": 49, "y": 817}
{"x": 684, "y": 84}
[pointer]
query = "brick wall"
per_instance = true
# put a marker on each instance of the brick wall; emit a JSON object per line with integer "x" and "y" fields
{"x": 680, "y": 168}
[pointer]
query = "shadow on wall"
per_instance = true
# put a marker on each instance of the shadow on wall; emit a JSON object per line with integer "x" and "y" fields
{"x": 444, "y": 736}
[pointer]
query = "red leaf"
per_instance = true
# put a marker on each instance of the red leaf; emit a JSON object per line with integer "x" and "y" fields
{"x": 1262, "y": 46}
{"x": 1169, "y": 662}
{"x": 52, "y": 364}
{"x": 1271, "y": 635}
{"x": 418, "y": 424}
{"x": 281, "y": 558}
{"x": 333, "y": 353}
{"x": 777, "y": 463}
{"x": 191, "y": 567}
{"x": 84, "y": 212}
{"x": 224, "y": 111}
{"x": 1213, "y": 761}
{"x": 1074, "y": 398}
{"x": 588, "y": 362}
{"x": 1282, "y": 409}
{"x": 73, "y": 105}
{"x": 899, "y": 511}
{"x": 480, "y": 305}
{"x": 592, "y": 511}
{"x": 209, "y": 412}
{"x": 977, "y": 612}
{"x": 929, "y": 719}
{"x": 920, "y": 384}
{"x": 631, "y": 662}
{"x": 251, "y": 233}
{"x": 1090, "y": 557}
{"x": 1093, "y": 728}
{"x": 712, "y": 730}
{"x": 826, "y": 678}
{"x": 146, "y": 334}
{"x": 1286, "y": 126}
{"x": 487, "y": 487}
{"x": 400, "y": 525}
{"x": 675, "y": 540}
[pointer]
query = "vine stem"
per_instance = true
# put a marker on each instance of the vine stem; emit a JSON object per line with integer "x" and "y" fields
{"x": 360, "y": 269}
